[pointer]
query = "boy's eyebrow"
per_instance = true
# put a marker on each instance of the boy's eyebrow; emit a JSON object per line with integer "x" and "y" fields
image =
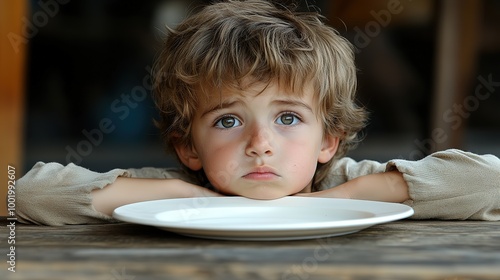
{"x": 282, "y": 102}
{"x": 292, "y": 102}
{"x": 221, "y": 105}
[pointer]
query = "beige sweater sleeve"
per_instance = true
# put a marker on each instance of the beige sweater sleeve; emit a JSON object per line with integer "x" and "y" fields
{"x": 448, "y": 185}
{"x": 453, "y": 185}
{"x": 54, "y": 194}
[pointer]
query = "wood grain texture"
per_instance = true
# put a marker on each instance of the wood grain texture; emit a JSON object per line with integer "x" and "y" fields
{"x": 450, "y": 250}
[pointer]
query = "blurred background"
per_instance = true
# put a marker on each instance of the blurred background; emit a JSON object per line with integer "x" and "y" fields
{"x": 75, "y": 77}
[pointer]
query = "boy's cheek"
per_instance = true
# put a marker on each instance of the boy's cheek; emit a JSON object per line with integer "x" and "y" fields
{"x": 220, "y": 179}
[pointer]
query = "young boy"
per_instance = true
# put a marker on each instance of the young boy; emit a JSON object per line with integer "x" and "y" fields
{"x": 257, "y": 100}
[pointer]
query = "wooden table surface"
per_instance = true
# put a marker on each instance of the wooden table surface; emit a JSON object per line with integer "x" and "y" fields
{"x": 450, "y": 250}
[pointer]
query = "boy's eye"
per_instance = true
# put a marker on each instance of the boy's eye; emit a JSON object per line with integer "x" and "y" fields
{"x": 288, "y": 119}
{"x": 227, "y": 122}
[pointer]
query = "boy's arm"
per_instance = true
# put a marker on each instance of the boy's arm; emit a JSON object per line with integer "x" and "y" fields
{"x": 55, "y": 194}
{"x": 449, "y": 185}
{"x": 130, "y": 190}
{"x": 386, "y": 186}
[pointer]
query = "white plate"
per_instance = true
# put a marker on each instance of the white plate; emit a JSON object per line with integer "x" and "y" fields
{"x": 239, "y": 218}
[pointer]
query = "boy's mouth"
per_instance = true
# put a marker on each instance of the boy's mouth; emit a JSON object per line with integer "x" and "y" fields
{"x": 261, "y": 173}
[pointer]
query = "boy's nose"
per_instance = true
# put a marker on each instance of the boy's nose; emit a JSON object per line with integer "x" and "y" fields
{"x": 260, "y": 143}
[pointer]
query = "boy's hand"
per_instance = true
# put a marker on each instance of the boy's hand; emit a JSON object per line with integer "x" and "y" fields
{"x": 387, "y": 186}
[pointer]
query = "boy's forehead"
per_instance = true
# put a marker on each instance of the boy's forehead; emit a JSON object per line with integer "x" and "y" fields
{"x": 211, "y": 97}
{"x": 252, "y": 88}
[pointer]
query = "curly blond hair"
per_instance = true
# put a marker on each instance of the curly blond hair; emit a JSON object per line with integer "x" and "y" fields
{"x": 227, "y": 42}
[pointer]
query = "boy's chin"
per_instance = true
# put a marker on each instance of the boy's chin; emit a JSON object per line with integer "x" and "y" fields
{"x": 260, "y": 193}
{"x": 265, "y": 196}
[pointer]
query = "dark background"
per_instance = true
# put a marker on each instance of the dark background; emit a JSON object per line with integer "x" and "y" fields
{"x": 88, "y": 70}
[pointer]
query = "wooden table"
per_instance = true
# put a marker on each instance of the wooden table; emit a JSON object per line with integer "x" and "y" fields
{"x": 448, "y": 250}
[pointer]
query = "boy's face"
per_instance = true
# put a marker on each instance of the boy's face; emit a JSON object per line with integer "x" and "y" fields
{"x": 261, "y": 144}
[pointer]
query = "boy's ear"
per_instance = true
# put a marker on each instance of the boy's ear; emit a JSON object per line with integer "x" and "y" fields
{"x": 188, "y": 156}
{"x": 328, "y": 148}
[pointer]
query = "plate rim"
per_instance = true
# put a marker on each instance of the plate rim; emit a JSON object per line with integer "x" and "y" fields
{"x": 400, "y": 211}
